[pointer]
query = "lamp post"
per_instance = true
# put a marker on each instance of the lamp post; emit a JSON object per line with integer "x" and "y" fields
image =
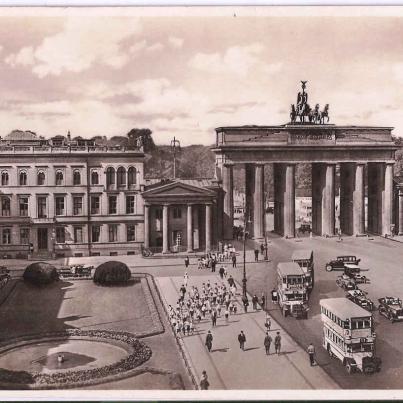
{"x": 175, "y": 146}
{"x": 266, "y": 257}
{"x": 244, "y": 280}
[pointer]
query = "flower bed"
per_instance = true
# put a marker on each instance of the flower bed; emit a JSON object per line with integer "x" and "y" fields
{"x": 137, "y": 355}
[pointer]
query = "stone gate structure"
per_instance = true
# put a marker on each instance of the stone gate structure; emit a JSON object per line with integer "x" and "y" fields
{"x": 365, "y": 156}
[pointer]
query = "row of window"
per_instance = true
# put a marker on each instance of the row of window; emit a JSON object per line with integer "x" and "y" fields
{"x": 112, "y": 177}
{"x": 354, "y": 324}
{"x": 96, "y": 234}
{"x": 60, "y": 205}
{"x": 6, "y": 238}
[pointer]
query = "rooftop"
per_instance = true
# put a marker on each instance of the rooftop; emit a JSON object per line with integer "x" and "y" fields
{"x": 344, "y": 308}
{"x": 289, "y": 269}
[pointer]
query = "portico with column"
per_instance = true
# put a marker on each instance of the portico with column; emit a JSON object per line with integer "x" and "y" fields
{"x": 363, "y": 155}
{"x": 179, "y": 217}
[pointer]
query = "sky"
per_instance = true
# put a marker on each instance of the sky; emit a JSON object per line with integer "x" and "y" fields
{"x": 184, "y": 75}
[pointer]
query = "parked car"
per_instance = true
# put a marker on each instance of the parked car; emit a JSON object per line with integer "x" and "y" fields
{"x": 346, "y": 282}
{"x": 354, "y": 271}
{"x": 360, "y": 298}
{"x": 304, "y": 228}
{"x": 340, "y": 262}
{"x": 4, "y": 276}
{"x": 391, "y": 308}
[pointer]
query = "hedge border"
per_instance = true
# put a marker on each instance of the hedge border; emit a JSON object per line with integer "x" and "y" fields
{"x": 125, "y": 368}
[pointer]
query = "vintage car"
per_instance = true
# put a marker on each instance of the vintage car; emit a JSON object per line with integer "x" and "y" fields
{"x": 391, "y": 308}
{"x": 340, "y": 262}
{"x": 360, "y": 298}
{"x": 354, "y": 271}
{"x": 346, "y": 282}
{"x": 75, "y": 270}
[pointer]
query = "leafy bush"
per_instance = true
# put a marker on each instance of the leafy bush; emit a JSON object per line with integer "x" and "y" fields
{"x": 40, "y": 273}
{"x": 112, "y": 273}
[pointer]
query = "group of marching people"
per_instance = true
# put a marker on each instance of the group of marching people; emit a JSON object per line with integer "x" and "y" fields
{"x": 212, "y": 301}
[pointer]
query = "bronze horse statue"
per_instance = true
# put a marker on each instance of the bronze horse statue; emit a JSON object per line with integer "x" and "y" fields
{"x": 324, "y": 114}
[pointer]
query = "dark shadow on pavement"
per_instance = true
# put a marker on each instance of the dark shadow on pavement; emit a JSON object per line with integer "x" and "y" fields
{"x": 251, "y": 348}
{"x": 220, "y": 350}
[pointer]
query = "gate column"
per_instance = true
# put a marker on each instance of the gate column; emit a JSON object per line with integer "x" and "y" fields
{"x": 387, "y": 198}
{"x": 228, "y": 188}
{"x": 359, "y": 201}
{"x": 289, "y": 201}
{"x": 400, "y": 200}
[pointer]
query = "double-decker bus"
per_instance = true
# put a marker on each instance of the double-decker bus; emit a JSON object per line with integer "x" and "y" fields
{"x": 291, "y": 289}
{"x": 348, "y": 334}
{"x": 304, "y": 257}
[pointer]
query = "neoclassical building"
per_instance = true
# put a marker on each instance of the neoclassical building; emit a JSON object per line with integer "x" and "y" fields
{"x": 182, "y": 215}
{"x": 69, "y": 197}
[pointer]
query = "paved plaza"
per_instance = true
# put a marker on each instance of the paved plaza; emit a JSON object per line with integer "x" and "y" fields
{"x": 227, "y": 366}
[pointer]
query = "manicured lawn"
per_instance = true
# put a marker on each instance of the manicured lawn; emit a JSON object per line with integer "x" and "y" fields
{"x": 84, "y": 305}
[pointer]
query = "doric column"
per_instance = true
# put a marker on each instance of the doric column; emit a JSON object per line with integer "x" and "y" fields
{"x": 228, "y": 188}
{"x": 289, "y": 201}
{"x": 249, "y": 198}
{"x": 359, "y": 201}
{"x": 165, "y": 223}
{"x": 328, "y": 200}
{"x": 146, "y": 226}
{"x": 401, "y": 211}
{"x": 189, "y": 227}
{"x": 208, "y": 227}
{"x": 387, "y": 198}
{"x": 258, "y": 203}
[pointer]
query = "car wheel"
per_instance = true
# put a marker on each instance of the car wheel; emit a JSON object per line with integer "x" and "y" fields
{"x": 329, "y": 267}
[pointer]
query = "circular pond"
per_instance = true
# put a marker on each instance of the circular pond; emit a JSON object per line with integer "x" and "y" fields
{"x": 77, "y": 354}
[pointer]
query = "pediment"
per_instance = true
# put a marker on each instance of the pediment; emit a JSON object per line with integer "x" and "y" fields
{"x": 177, "y": 189}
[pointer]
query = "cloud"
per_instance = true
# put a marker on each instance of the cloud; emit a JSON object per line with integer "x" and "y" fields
{"x": 239, "y": 60}
{"x": 176, "y": 42}
{"x": 82, "y": 43}
{"x": 155, "y": 47}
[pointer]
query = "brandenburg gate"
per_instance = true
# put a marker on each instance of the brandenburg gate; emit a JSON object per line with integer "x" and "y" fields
{"x": 364, "y": 155}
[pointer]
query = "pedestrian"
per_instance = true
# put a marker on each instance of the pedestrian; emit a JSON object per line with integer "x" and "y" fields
{"x": 277, "y": 343}
{"x": 234, "y": 261}
{"x": 225, "y": 272}
{"x": 204, "y": 383}
{"x": 274, "y": 296}
{"x": 245, "y": 302}
{"x": 187, "y": 261}
{"x": 255, "y": 302}
{"x": 267, "y": 322}
{"x": 209, "y": 341}
{"x": 183, "y": 292}
{"x": 242, "y": 340}
{"x": 226, "y": 314}
{"x": 267, "y": 343}
{"x": 214, "y": 318}
{"x": 256, "y": 255}
{"x": 263, "y": 301}
{"x": 221, "y": 272}
{"x": 262, "y": 248}
{"x": 213, "y": 265}
{"x": 185, "y": 280}
{"x": 311, "y": 353}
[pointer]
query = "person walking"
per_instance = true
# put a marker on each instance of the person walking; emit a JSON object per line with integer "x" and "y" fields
{"x": 187, "y": 261}
{"x": 255, "y": 302}
{"x": 214, "y": 318}
{"x": 245, "y": 303}
{"x": 209, "y": 341}
{"x": 183, "y": 292}
{"x": 262, "y": 248}
{"x": 267, "y": 343}
{"x": 263, "y": 301}
{"x": 256, "y": 251}
{"x": 311, "y": 354}
{"x": 234, "y": 261}
{"x": 221, "y": 272}
{"x": 185, "y": 280}
{"x": 267, "y": 322}
{"x": 242, "y": 340}
{"x": 213, "y": 265}
{"x": 204, "y": 383}
{"x": 277, "y": 343}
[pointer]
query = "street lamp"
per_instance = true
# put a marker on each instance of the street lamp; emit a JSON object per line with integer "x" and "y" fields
{"x": 175, "y": 146}
{"x": 266, "y": 257}
{"x": 244, "y": 280}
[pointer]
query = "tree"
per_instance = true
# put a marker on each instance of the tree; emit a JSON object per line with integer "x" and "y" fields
{"x": 147, "y": 140}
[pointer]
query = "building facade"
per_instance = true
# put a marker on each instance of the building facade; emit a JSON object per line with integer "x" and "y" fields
{"x": 69, "y": 197}
{"x": 181, "y": 215}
